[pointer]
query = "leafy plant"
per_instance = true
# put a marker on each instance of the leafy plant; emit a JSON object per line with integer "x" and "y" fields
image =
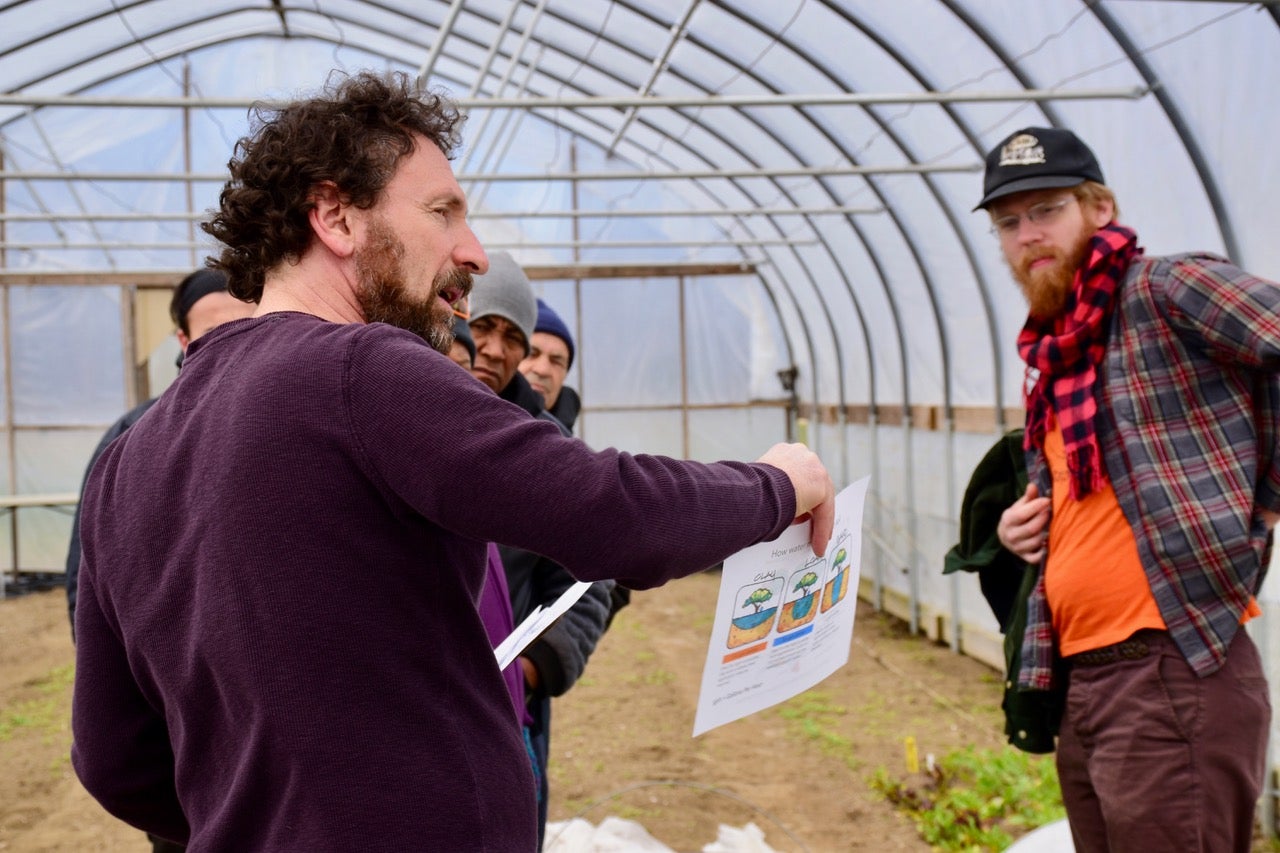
{"x": 977, "y": 799}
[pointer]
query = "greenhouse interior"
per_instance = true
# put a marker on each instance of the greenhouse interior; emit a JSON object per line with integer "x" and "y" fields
{"x": 758, "y": 219}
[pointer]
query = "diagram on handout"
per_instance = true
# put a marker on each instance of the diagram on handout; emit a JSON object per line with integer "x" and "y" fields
{"x": 784, "y": 618}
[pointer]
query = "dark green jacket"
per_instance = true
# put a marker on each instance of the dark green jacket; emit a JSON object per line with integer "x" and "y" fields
{"x": 1031, "y": 716}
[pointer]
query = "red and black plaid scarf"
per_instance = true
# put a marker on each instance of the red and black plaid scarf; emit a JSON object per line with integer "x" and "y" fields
{"x": 1067, "y": 350}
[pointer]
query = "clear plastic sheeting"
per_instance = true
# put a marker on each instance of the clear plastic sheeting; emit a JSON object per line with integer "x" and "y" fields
{"x": 64, "y": 377}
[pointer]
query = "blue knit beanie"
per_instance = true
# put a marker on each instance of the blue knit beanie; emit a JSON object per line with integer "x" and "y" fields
{"x": 549, "y": 321}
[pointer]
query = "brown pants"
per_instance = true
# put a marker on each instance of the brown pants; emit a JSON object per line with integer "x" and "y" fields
{"x": 1151, "y": 757}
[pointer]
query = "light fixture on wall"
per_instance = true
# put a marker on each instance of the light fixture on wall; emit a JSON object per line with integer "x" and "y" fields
{"x": 797, "y": 427}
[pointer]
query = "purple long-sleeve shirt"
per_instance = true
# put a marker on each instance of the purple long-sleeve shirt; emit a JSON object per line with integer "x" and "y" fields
{"x": 278, "y": 644}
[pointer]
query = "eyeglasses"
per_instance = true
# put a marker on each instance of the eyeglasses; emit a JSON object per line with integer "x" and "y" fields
{"x": 1044, "y": 213}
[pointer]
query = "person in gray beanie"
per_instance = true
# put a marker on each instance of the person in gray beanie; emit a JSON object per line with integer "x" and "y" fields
{"x": 504, "y": 294}
{"x": 504, "y": 312}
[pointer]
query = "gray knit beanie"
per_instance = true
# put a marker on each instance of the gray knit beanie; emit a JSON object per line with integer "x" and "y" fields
{"x": 504, "y": 291}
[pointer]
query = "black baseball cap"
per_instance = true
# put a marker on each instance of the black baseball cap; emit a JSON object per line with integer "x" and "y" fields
{"x": 1037, "y": 158}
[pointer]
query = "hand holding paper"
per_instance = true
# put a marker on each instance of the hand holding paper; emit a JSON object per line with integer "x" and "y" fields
{"x": 535, "y": 623}
{"x": 784, "y": 620}
{"x": 815, "y": 493}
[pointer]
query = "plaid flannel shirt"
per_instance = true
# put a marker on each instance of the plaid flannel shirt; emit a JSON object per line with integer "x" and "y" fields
{"x": 1188, "y": 423}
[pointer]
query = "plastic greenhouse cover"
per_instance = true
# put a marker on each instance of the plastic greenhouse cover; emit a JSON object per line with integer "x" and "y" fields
{"x": 905, "y": 303}
{"x": 908, "y": 305}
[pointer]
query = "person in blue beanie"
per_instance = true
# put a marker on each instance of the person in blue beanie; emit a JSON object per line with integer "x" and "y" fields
{"x": 547, "y": 365}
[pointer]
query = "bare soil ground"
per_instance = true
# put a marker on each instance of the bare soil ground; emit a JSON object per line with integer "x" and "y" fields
{"x": 620, "y": 743}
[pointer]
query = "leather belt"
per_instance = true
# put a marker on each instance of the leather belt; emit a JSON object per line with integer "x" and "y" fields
{"x": 1134, "y": 648}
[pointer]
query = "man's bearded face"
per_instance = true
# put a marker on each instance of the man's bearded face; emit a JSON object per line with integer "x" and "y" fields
{"x": 1049, "y": 285}
{"x": 383, "y": 292}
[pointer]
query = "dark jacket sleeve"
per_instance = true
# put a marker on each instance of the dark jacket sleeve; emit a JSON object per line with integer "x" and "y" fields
{"x": 997, "y": 482}
{"x": 561, "y": 653}
{"x": 1031, "y": 716}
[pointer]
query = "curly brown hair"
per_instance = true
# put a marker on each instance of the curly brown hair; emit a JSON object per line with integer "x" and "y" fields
{"x": 353, "y": 134}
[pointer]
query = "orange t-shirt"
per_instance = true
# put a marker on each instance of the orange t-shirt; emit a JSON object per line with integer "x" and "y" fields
{"x": 1097, "y": 589}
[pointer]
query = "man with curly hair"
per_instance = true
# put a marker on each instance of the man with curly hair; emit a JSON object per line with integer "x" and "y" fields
{"x": 278, "y": 642}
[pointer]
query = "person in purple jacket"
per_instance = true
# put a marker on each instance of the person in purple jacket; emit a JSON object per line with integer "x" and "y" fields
{"x": 494, "y": 605}
{"x": 278, "y": 640}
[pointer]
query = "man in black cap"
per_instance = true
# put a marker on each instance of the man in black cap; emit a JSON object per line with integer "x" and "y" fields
{"x": 1153, "y": 412}
{"x": 200, "y": 302}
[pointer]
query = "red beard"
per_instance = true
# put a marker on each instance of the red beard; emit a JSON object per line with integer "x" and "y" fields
{"x": 1048, "y": 287}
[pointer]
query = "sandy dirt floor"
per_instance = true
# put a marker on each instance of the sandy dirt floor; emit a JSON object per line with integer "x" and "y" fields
{"x": 621, "y": 742}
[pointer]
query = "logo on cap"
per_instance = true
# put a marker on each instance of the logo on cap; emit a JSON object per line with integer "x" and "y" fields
{"x": 1023, "y": 150}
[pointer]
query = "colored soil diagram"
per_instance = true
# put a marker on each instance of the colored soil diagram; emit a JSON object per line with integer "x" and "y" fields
{"x": 798, "y": 607}
{"x": 752, "y": 619}
{"x": 837, "y": 581}
{"x": 779, "y": 625}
